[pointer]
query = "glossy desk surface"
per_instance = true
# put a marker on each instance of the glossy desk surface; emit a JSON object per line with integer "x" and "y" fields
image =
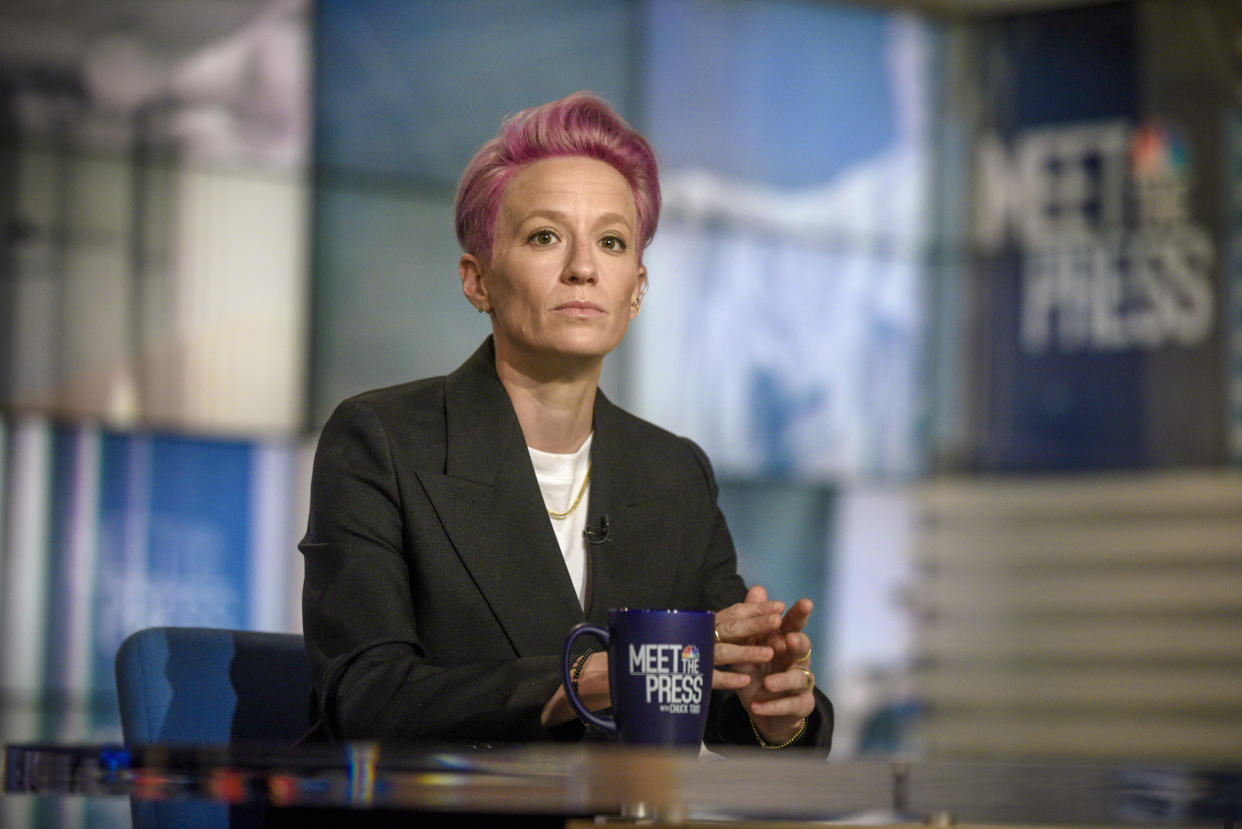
{"x": 615, "y": 781}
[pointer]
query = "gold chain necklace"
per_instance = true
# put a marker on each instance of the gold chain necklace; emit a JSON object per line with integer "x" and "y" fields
{"x": 561, "y": 516}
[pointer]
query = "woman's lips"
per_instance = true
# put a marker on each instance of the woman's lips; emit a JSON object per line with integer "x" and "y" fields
{"x": 581, "y": 310}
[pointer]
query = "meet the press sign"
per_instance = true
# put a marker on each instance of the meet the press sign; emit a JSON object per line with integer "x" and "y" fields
{"x": 1100, "y": 213}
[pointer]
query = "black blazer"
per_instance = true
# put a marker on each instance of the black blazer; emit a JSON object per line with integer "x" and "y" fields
{"x": 436, "y": 598}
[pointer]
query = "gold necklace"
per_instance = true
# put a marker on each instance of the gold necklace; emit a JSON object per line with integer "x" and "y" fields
{"x": 561, "y": 516}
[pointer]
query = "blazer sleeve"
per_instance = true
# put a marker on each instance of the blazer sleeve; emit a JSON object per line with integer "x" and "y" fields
{"x": 369, "y": 668}
{"x": 728, "y": 723}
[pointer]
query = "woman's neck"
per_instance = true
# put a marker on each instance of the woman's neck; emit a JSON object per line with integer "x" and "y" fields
{"x": 554, "y": 408}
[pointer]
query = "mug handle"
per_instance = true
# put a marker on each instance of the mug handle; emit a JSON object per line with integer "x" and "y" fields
{"x": 608, "y": 724}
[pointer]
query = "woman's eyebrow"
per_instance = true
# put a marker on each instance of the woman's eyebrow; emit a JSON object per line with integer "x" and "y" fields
{"x": 610, "y": 218}
{"x": 558, "y": 215}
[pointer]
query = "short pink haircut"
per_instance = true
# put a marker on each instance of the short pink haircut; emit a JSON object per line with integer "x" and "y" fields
{"x": 581, "y": 124}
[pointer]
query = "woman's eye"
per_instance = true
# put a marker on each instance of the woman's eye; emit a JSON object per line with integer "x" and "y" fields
{"x": 543, "y": 237}
{"x": 613, "y": 243}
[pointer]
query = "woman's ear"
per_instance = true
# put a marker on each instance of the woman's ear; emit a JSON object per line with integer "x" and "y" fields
{"x": 636, "y": 299}
{"x": 472, "y": 283}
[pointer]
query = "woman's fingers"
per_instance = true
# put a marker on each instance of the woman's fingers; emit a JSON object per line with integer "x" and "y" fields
{"x": 790, "y": 642}
{"x": 794, "y": 681}
{"x": 726, "y": 653}
{"x": 729, "y": 680}
{"x": 798, "y": 648}
{"x": 757, "y": 617}
{"x": 797, "y": 617}
{"x": 743, "y": 622}
{"x": 788, "y": 706}
{"x": 746, "y": 610}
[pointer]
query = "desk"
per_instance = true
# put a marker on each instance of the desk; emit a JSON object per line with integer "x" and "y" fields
{"x": 614, "y": 781}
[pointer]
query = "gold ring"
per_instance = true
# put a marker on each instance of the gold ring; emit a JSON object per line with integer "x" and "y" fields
{"x": 810, "y": 679}
{"x": 716, "y": 630}
{"x": 806, "y": 657}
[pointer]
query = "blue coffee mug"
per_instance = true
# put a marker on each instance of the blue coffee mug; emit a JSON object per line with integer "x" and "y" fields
{"x": 659, "y": 673}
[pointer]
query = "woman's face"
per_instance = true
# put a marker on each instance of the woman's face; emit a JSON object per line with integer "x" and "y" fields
{"x": 564, "y": 277}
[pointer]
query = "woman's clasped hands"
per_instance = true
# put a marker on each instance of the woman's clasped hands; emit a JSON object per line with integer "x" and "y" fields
{"x": 763, "y": 655}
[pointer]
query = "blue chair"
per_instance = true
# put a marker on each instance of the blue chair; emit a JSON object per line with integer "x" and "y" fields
{"x": 209, "y": 687}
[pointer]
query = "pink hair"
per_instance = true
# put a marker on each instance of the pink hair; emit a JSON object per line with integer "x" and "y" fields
{"x": 581, "y": 124}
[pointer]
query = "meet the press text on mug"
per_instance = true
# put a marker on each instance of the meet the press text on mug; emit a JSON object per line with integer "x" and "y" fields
{"x": 672, "y": 675}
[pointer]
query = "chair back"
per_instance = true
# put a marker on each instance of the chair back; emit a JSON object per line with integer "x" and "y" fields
{"x": 212, "y": 686}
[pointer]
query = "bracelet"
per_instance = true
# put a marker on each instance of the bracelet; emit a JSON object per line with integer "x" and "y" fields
{"x": 579, "y": 664}
{"x": 772, "y": 747}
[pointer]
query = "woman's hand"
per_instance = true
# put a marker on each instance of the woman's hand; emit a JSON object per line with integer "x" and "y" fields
{"x": 593, "y": 690}
{"x": 768, "y": 658}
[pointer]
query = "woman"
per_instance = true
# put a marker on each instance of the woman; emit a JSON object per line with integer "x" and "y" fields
{"x": 460, "y": 525}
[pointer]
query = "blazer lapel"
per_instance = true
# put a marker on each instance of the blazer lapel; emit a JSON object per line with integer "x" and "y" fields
{"x": 491, "y": 509}
{"x": 621, "y": 491}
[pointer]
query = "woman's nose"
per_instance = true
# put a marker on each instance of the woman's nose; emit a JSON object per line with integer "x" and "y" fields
{"x": 581, "y": 264}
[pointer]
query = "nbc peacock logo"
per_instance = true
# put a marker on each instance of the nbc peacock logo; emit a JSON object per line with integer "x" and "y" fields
{"x": 1160, "y": 171}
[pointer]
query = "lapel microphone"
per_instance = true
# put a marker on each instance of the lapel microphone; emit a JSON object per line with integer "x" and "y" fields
{"x": 599, "y": 534}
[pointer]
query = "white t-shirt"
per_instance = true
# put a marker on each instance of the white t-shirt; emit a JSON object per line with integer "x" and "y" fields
{"x": 560, "y": 478}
